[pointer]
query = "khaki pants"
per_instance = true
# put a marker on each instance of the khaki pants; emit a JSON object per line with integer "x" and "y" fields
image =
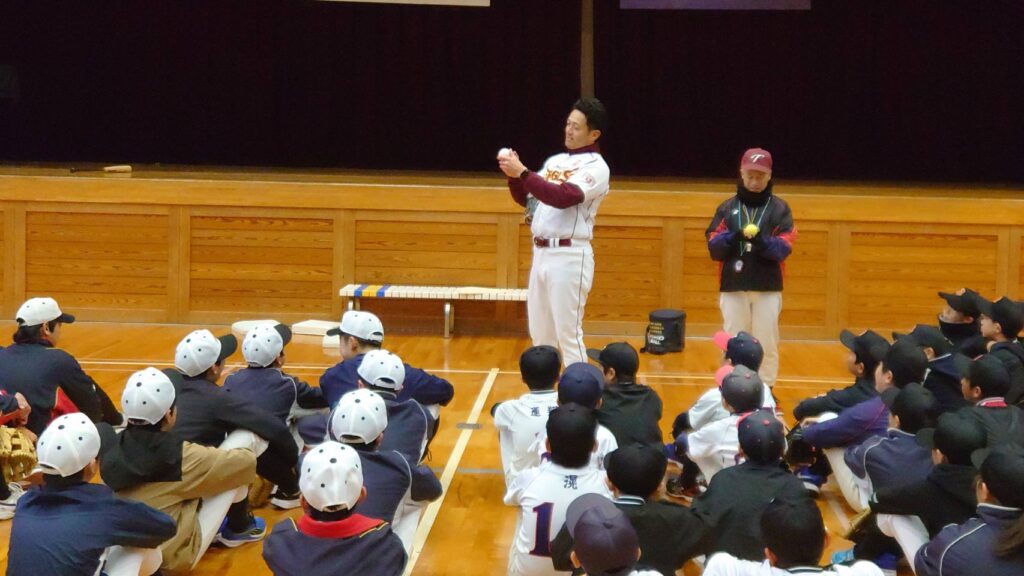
{"x": 758, "y": 314}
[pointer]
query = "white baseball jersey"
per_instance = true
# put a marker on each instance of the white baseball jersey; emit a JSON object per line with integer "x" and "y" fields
{"x": 519, "y": 422}
{"x": 708, "y": 407}
{"x": 716, "y": 446}
{"x": 587, "y": 171}
{"x": 543, "y": 494}
{"x": 606, "y": 444}
{"x": 723, "y": 564}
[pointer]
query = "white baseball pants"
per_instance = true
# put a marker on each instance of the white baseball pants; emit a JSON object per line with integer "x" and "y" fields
{"x": 856, "y": 491}
{"x": 758, "y": 314}
{"x": 560, "y": 280}
{"x": 909, "y": 531}
{"x": 130, "y": 561}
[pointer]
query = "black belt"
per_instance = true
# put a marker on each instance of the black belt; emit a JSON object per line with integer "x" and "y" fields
{"x": 552, "y": 242}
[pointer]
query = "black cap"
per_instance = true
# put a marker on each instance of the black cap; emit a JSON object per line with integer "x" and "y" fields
{"x": 914, "y": 405}
{"x": 966, "y": 304}
{"x": 1006, "y": 313}
{"x": 869, "y": 345}
{"x": 986, "y": 372}
{"x": 285, "y": 332}
{"x": 618, "y": 355}
{"x": 743, "y": 390}
{"x": 636, "y": 469}
{"x": 604, "y": 540}
{"x": 1002, "y": 470}
{"x": 957, "y": 435}
{"x": 581, "y": 383}
{"x": 742, "y": 349}
{"x": 928, "y": 337}
{"x": 571, "y": 429}
{"x": 906, "y": 361}
{"x": 762, "y": 436}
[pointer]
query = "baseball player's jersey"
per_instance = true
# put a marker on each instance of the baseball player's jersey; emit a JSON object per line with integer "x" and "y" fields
{"x": 606, "y": 444}
{"x": 715, "y": 446}
{"x": 708, "y": 407}
{"x": 723, "y": 564}
{"x": 588, "y": 172}
{"x": 519, "y": 422}
{"x": 543, "y": 494}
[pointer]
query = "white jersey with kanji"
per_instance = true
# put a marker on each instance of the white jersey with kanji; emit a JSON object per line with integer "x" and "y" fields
{"x": 715, "y": 446}
{"x": 519, "y": 422}
{"x": 723, "y": 564}
{"x": 543, "y": 494}
{"x": 588, "y": 172}
{"x": 709, "y": 408}
{"x": 606, "y": 444}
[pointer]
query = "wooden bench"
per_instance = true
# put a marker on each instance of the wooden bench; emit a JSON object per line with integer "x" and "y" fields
{"x": 449, "y": 294}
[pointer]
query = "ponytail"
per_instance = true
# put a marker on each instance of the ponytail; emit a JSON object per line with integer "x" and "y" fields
{"x": 1011, "y": 542}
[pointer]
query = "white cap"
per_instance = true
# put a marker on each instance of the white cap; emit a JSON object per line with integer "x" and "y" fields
{"x": 68, "y": 445}
{"x": 264, "y": 343}
{"x": 359, "y": 418}
{"x": 148, "y": 396}
{"x": 200, "y": 350}
{"x": 382, "y": 369}
{"x": 331, "y": 475}
{"x": 36, "y": 311}
{"x": 362, "y": 325}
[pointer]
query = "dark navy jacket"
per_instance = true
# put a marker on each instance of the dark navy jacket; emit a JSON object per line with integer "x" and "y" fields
{"x": 39, "y": 371}
{"x": 356, "y": 545}
{"x": 65, "y": 531}
{"x": 895, "y": 459}
{"x": 853, "y": 425}
{"x": 946, "y": 497}
{"x": 944, "y": 382}
{"x": 1002, "y": 423}
{"x": 273, "y": 390}
{"x": 425, "y": 388}
{"x": 388, "y": 477}
{"x": 968, "y": 549}
{"x": 837, "y": 400}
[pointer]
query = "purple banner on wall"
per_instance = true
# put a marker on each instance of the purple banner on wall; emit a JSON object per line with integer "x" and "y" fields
{"x": 715, "y": 4}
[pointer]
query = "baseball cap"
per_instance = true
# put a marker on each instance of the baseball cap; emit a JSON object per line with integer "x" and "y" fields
{"x": 757, "y": 159}
{"x": 36, "y": 311}
{"x": 359, "y": 418}
{"x": 743, "y": 389}
{"x": 762, "y": 436}
{"x": 742, "y": 348}
{"x": 928, "y": 337}
{"x": 907, "y": 362}
{"x": 1005, "y": 312}
{"x": 147, "y": 396}
{"x": 382, "y": 369}
{"x": 602, "y": 537}
{"x": 618, "y": 355}
{"x": 1002, "y": 470}
{"x": 571, "y": 429}
{"x": 720, "y": 374}
{"x": 966, "y": 303}
{"x": 362, "y": 325}
{"x": 986, "y": 372}
{"x": 331, "y": 476}
{"x": 914, "y": 405}
{"x": 200, "y": 350}
{"x": 956, "y": 435}
{"x": 264, "y": 343}
{"x": 868, "y": 345}
{"x": 581, "y": 383}
{"x": 636, "y": 469}
{"x": 67, "y": 445}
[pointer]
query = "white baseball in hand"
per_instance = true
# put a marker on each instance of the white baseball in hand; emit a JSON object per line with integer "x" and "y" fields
{"x": 505, "y": 154}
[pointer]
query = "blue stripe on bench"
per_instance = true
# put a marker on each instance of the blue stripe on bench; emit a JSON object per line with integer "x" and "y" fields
{"x": 383, "y": 289}
{"x": 359, "y": 291}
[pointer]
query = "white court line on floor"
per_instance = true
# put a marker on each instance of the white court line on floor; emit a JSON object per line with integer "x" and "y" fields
{"x": 430, "y": 514}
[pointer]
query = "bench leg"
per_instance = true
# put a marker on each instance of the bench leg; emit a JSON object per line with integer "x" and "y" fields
{"x": 449, "y": 318}
{"x": 353, "y": 303}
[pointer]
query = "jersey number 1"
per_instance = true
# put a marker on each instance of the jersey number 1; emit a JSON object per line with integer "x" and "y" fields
{"x": 542, "y": 536}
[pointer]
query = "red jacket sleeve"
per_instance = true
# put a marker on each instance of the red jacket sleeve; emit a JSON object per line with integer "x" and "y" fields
{"x": 561, "y": 195}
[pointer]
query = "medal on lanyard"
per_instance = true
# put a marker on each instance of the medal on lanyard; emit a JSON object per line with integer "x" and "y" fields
{"x": 748, "y": 246}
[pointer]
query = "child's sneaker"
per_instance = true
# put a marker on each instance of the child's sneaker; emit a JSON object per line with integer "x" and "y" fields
{"x": 812, "y": 482}
{"x": 285, "y": 501}
{"x": 7, "y": 505}
{"x": 254, "y": 533}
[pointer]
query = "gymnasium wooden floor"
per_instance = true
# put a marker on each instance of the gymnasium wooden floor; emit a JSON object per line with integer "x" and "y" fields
{"x": 472, "y": 529}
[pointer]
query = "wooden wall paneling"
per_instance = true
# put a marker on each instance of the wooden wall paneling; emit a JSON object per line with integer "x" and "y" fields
{"x": 838, "y": 306}
{"x": 103, "y": 263}
{"x": 1015, "y": 277}
{"x": 14, "y": 250}
{"x": 628, "y": 278}
{"x": 895, "y": 271}
{"x": 507, "y": 272}
{"x": 344, "y": 267}
{"x": 178, "y": 238}
{"x": 673, "y": 272}
{"x": 256, "y": 262}
{"x": 805, "y": 284}
{"x": 7, "y": 254}
{"x": 701, "y": 281}
{"x": 1003, "y": 248}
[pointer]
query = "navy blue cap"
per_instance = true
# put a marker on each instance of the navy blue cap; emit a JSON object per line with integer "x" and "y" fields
{"x": 581, "y": 383}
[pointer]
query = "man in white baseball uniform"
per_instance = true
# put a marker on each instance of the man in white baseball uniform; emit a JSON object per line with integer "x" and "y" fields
{"x": 562, "y": 200}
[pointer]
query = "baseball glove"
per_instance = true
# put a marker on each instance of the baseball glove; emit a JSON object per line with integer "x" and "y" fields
{"x": 17, "y": 454}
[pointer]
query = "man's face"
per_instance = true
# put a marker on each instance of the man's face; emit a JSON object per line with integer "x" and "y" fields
{"x": 577, "y": 133}
{"x": 988, "y": 327}
{"x": 755, "y": 180}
